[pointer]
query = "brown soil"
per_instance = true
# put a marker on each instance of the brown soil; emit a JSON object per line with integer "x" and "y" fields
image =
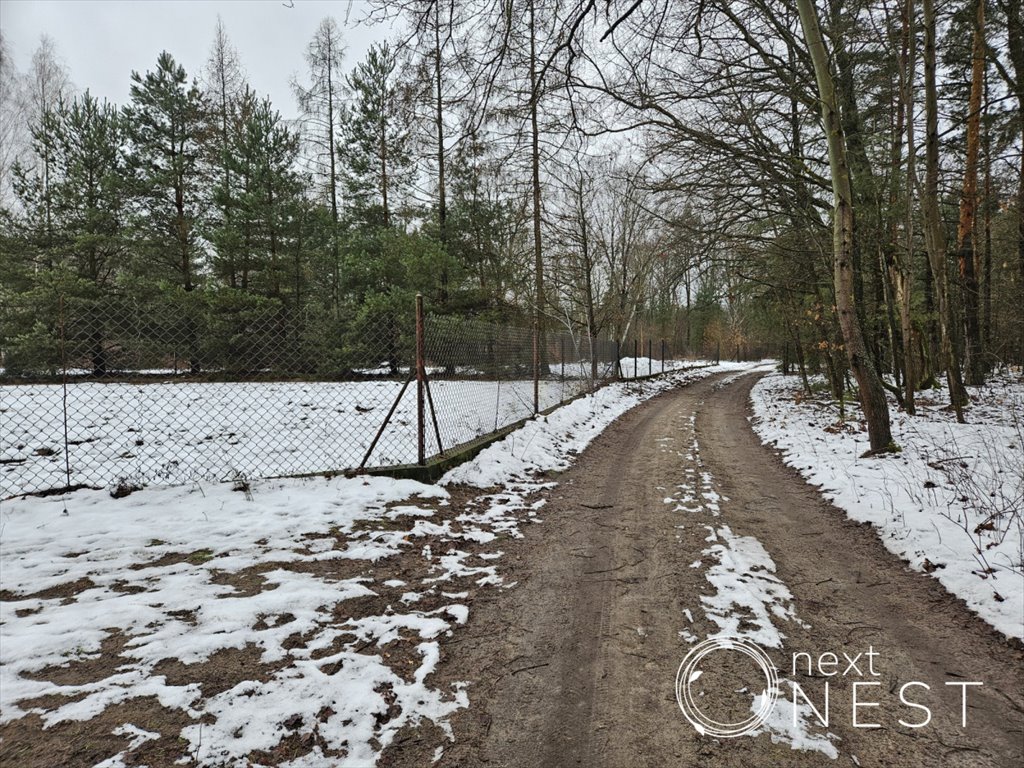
{"x": 221, "y": 672}
{"x": 68, "y": 590}
{"x": 26, "y": 742}
{"x": 88, "y": 670}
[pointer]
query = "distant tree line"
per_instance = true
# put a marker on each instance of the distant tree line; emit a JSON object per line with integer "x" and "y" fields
{"x": 849, "y": 174}
{"x": 843, "y": 183}
{"x": 196, "y": 218}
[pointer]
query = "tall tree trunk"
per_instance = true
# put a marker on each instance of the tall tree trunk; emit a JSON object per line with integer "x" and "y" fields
{"x": 1015, "y": 38}
{"x": 905, "y": 266}
{"x": 931, "y": 353}
{"x": 442, "y": 203}
{"x": 588, "y": 277}
{"x": 538, "y": 254}
{"x": 872, "y": 395}
{"x": 384, "y": 166}
{"x": 335, "y": 251}
{"x": 986, "y": 299}
{"x": 229, "y": 200}
{"x": 969, "y": 205}
{"x": 591, "y": 317}
{"x": 275, "y": 272}
{"x": 867, "y": 197}
{"x": 934, "y": 231}
{"x": 1020, "y": 242}
{"x": 888, "y": 259}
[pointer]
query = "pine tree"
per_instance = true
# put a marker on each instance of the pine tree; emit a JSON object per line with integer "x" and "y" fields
{"x": 375, "y": 151}
{"x": 88, "y": 191}
{"x": 166, "y": 122}
{"x": 264, "y": 153}
{"x": 255, "y": 318}
{"x": 89, "y": 204}
{"x": 69, "y": 243}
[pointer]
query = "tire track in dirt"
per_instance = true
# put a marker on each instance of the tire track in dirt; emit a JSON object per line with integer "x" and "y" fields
{"x": 576, "y": 664}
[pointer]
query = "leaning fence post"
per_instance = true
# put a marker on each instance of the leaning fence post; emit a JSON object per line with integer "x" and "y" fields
{"x": 421, "y": 447}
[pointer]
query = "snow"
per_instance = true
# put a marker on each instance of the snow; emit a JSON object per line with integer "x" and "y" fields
{"x": 173, "y": 432}
{"x": 630, "y": 368}
{"x": 950, "y": 503}
{"x": 549, "y": 443}
{"x": 168, "y": 432}
{"x": 181, "y": 610}
{"x": 748, "y": 600}
{"x": 788, "y": 724}
{"x": 747, "y": 592}
{"x": 162, "y": 567}
{"x": 138, "y": 738}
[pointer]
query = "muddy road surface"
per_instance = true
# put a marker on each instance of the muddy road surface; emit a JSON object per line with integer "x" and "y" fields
{"x": 664, "y": 534}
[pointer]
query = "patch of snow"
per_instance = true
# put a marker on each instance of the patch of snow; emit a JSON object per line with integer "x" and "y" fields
{"x": 158, "y": 568}
{"x": 749, "y": 598}
{"x": 787, "y": 724}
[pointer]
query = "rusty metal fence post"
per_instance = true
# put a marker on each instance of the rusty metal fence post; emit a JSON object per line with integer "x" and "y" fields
{"x": 536, "y": 366}
{"x": 421, "y": 445}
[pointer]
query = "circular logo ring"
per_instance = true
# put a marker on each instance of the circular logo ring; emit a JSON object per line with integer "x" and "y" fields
{"x": 687, "y": 674}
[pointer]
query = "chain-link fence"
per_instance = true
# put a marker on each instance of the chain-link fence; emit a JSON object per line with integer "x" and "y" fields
{"x": 481, "y": 375}
{"x": 129, "y": 393}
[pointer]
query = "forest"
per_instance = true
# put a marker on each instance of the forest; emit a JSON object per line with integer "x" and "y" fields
{"x": 838, "y": 184}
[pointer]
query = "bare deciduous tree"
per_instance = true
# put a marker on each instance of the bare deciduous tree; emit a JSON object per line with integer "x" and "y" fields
{"x": 319, "y": 102}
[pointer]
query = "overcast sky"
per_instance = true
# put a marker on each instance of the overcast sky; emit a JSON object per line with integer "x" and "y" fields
{"x": 102, "y": 41}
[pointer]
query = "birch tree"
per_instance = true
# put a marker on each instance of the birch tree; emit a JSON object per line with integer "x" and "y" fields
{"x": 872, "y": 395}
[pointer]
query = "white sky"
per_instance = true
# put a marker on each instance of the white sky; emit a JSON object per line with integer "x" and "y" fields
{"x": 103, "y": 41}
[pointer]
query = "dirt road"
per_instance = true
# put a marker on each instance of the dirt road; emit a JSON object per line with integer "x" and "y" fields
{"x": 576, "y": 665}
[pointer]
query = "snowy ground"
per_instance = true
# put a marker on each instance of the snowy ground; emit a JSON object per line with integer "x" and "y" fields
{"x": 287, "y": 620}
{"x": 174, "y": 432}
{"x": 950, "y": 503}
